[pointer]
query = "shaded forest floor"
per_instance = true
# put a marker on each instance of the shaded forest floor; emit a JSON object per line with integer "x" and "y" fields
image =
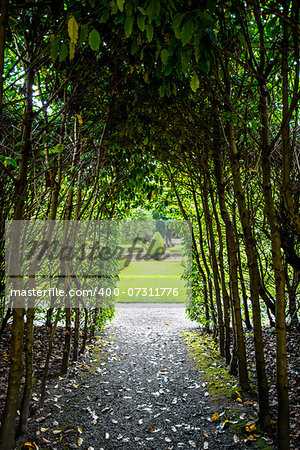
{"x": 150, "y": 381}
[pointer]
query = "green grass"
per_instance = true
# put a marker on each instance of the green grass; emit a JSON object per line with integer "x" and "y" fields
{"x": 153, "y": 275}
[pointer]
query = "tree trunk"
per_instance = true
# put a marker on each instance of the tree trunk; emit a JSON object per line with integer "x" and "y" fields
{"x": 85, "y": 331}
{"x": 7, "y": 432}
{"x": 3, "y": 24}
{"x": 76, "y": 335}
{"x": 262, "y": 383}
{"x": 233, "y": 266}
{"x": 215, "y": 269}
{"x": 28, "y": 372}
{"x": 49, "y": 352}
{"x": 225, "y": 296}
{"x": 283, "y": 429}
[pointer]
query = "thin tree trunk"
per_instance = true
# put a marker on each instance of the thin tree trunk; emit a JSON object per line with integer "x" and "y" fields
{"x": 76, "y": 334}
{"x": 292, "y": 206}
{"x": 225, "y": 296}
{"x": 262, "y": 383}
{"x": 3, "y": 25}
{"x": 233, "y": 266}
{"x": 7, "y": 432}
{"x": 85, "y": 331}
{"x": 215, "y": 269}
{"x": 49, "y": 352}
{"x": 283, "y": 428}
{"x": 200, "y": 269}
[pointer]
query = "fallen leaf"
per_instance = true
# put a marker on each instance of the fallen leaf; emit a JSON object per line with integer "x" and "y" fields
{"x": 250, "y": 428}
{"x": 215, "y": 417}
{"x": 80, "y": 441}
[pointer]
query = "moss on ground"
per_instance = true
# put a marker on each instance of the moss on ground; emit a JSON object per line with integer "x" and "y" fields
{"x": 224, "y": 391}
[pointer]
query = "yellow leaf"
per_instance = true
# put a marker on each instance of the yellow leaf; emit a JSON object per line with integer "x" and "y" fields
{"x": 215, "y": 417}
{"x": 166, "y": 323}
{"x": 239, "y": 400}
{"x": 251, "y": 428}
{"x": 80, "y": 441}
{"x": 73, "y": 30}
{"x": 80, "y": 121}
{"x": 79, "y": 430}
{"x": 117, "y": 357}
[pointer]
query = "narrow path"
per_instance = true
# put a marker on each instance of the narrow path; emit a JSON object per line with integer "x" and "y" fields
{"x": 143, "y": 391}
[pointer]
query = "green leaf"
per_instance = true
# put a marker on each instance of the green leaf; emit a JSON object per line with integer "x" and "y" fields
{"x": 204, "y": 64}
{"x": 133, "y": 47}
{"x": 57, "y": 149}
{"x": 142, "y": 10}
{"x": 11, "y": 161}
{"x": 194, "y": 83}
{"x": 128, "y": 24}
{"x": 120, "y": 4}
{"x": 19, "y": 144}
{"x": 83, "y": 33}
{"x": 72, "y": 50}
{"x": 94, "y": 39}
{"x": 73, "y": 30}
{"x": 206, "y": 19}
{"x": 177, "y": 32}
{"x": 54, "y": 49}
{"x": 153, "y": 10}
{"x": 161, "y": 90}
{"x": 105, "y": 16}
{"x": 164, "y": 56}
{"x": 177, "y": 20}
{"x": 128, "y": 8}
{"x": 187, "y": 32}
{"x": 141, "y": 21}
{"x": 63, "y": 52}
{"x": 149, "y": 32}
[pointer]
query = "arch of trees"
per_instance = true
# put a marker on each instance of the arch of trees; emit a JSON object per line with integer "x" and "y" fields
{"x": 188, "y": 106}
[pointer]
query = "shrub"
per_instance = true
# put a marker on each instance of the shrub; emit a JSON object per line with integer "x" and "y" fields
{"x": 156, "y": 247}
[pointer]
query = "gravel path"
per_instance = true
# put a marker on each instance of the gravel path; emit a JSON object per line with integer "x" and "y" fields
{"x": 138, "y": 390}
